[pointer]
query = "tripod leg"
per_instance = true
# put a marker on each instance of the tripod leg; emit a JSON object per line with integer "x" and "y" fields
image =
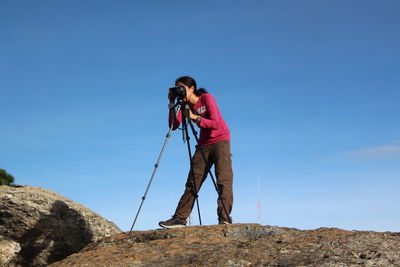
{"x": 155, "y": 169}
{"x": 195, "y": 176}
{"x": 195, "y": 188}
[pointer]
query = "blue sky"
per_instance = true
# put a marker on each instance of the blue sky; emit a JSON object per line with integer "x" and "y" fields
{"x": 309, "y": 89}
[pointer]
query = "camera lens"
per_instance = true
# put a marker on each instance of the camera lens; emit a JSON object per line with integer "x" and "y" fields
{"x": 178, "y": 91}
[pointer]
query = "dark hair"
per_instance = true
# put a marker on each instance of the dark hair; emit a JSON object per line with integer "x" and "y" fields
{"x": 189, "y": 81}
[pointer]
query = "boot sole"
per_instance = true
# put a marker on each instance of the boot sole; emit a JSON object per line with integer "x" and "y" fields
{"x": 172, "y": 226}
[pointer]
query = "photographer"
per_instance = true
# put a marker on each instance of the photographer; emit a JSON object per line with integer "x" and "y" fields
{"x": 215, "y": 144}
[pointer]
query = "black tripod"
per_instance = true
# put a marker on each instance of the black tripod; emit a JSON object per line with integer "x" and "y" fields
{"x": 184, "y": 107}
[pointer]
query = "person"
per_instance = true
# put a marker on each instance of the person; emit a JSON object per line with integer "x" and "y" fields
{"x": 214, "y": 141}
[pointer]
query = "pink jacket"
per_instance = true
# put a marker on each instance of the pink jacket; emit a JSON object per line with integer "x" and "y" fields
{"x": 212, "y": 126}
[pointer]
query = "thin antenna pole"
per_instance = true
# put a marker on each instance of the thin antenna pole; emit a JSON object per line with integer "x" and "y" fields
{"x": 259, "y": 207}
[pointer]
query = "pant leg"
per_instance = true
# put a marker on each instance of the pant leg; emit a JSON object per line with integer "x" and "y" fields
{"x": 221, "y": 157}
{"x": 193, "y": 183}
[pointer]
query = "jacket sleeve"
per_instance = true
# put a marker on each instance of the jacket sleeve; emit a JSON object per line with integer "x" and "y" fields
{"x": 212, "y": 120}
{"x": 174, "y": 122}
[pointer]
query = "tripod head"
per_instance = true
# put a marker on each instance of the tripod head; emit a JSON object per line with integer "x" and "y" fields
{"x": 184, "y": 106}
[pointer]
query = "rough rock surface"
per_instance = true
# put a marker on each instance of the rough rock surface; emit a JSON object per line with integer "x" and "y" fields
{"x": 241, "y": 245}
{"x": 38, "y": 226}
{"x": 8, "y": 251}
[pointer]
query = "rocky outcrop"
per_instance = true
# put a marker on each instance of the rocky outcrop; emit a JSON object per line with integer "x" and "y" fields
{"x": 8, "y": 251}
{"x": 38, "y": 226}
{"x": 241, "y": 245}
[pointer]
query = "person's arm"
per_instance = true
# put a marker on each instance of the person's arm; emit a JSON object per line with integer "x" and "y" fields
{"x": 174, "y": 122}
{"x": 213, "y": 121}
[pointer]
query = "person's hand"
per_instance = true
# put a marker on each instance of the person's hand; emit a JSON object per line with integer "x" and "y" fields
{"x": 171, "y": 97}
{"x": 192, "y": 116}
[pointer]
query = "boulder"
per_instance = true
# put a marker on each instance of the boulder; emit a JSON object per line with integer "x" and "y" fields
{"x": 8, "y": 251}
{"x": 241, "y": 245}
{"x": 38, "y": 226}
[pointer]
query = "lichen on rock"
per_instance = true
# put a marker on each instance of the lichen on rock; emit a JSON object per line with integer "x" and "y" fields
{"x": 241, "y": 245}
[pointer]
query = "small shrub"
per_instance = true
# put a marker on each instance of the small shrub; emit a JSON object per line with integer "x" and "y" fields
{"x": 6, "y": 179}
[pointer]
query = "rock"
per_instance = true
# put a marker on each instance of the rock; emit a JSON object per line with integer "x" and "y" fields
{"x": 8, "y": 251}
{"x": 42, "y": 226}
{"x": 241, "y": 245}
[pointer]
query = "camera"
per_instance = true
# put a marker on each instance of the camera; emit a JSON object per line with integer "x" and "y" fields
{"x": 177, "y": 91}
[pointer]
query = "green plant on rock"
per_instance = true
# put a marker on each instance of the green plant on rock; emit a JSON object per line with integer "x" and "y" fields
{"x": 5, "y": 178}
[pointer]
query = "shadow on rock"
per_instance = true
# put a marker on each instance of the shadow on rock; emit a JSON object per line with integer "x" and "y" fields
{"x": 55, "y": 236}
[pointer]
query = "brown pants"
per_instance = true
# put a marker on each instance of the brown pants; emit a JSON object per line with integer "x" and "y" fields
{"x": 218, "y": 154}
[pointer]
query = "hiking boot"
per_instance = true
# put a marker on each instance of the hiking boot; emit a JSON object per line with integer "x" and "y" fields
{"x": 173, "y": 223}
{"x": 224, "y": 221}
